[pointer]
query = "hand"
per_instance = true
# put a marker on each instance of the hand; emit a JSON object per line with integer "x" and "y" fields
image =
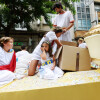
{"x": 64, "y": 30}
{"x": 42, "y": 49}
{"x": 52, "y": 68}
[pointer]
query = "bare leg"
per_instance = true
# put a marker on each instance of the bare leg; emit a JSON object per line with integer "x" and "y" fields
{"x": 32, "y": 67}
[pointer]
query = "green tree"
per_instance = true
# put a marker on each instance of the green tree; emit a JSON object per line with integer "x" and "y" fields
{"x": 69, "y": 4}
{"x": 66, "y": 3}
{"x": 13, "y": 12}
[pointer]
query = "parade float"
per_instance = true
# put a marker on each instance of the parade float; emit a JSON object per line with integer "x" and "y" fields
{"x": 92, "y": 39}
{"x": 79, "y": 85}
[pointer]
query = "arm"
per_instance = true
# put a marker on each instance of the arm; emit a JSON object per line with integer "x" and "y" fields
{"x": 67, "y": 28}
{"x": 58, "y": 43}
{"x": 43, "y": 55}
{"x": 71, "y": 20}
{"x": 54, "y": 63}
{"x": 71, "y": 24}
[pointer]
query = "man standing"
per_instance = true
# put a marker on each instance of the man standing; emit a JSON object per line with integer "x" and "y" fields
{"x": 65, "y": 20}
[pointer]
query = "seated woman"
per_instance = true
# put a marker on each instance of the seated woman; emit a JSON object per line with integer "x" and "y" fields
{"x": 48, "y": 68}
{"x": 7, "y": 60}
{"x": 51, "y": 36}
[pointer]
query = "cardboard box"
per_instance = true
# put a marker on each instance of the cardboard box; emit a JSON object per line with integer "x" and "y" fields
{"x": 73, "y": 58}
{"x": 69, "y": 43}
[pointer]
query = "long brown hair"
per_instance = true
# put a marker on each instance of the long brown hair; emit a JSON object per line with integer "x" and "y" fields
{"x": 5, "y": 40}
{"x": 50, "y": 48}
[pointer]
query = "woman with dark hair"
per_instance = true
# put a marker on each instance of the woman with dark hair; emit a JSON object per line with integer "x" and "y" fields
{"x": 51, "y": 36}
{"x": 7, "y": 60}
{"x": 48, "y": 68}
{"x": 49, "y": 46}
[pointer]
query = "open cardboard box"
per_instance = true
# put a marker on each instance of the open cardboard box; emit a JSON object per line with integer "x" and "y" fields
{"x": 73, "y": 58}
{"x": 68, "y": 43}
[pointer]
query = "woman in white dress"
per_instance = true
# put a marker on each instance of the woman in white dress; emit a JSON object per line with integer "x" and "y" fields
{"x": 7, "y": 60}
{"x": 51, "y": 36}
{"x": 48, "y": 68}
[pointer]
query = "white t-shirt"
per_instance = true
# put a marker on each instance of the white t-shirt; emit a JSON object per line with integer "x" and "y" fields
{"x": 5, "y": 57}
{"x": 82, "y": 45}
{"x": 21, "y": 53}
{"x": 64, "y": 20}
{"x": 50, "y": 36}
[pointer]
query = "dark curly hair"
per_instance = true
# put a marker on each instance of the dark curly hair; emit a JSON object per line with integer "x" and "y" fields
{"x": 57, "y": 29}
{"x": 57, "y": 5}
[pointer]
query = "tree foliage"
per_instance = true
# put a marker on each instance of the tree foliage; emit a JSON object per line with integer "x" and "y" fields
{"x": 19, "y": 11}
{"x": 66, "y": 4}
{"x": 69, "y": 4}
{"x": 13, "y": 12}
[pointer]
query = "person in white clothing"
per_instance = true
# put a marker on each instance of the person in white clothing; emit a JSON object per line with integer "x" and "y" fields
{"x": 23, "y": 59}
{"x": 48, "y": 68}
{"x": 81, "y": 43}
{"x": 7, "y": 60}
{"x": 65, "y": 20}
{"x": 22, "y": 52}
{"x": 51, "y": 36}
